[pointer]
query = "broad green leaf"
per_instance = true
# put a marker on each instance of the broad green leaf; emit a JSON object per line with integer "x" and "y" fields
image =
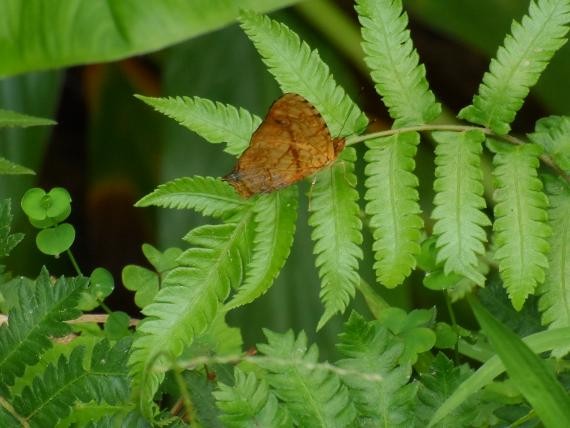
{"x": 56, "y": 240}
{"x": 35, "y": 37}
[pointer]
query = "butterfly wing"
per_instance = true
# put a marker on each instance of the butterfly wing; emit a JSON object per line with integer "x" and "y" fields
{"x": 292, "y": 143}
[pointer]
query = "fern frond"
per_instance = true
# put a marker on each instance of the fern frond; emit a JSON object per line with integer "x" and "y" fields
{"x": 10, "y": 168}
{"x": 275, "y": 215}
{"x": 53, "y": 396}
{"x": 14, "y": 119}
{"x": 299, "y": 69}
{"x": 188, "y": 303}
{"x": 250, "y": 403}
{"x": 39, "y": 315}
{"x": 553, "y": 134}
{"x": 521, "y": 226}
{"x": 337, "y": 235}
{"x": 392, "y": 204}
{"x": 7, "y": 240}
{"x": 437, "y": 384}
{"x": 521, "y": 59}
{"x": 207, "y": 195}
{"x": 371, "y": 350}
{"x": 459, "y": 203}
{"x": 314, "y": 397}
{"x": 390, "y": 54}
{"x": 213, "y": 121}
{"x": 555, "y": 300}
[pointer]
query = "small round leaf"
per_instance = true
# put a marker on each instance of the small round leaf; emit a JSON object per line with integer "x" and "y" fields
{"x": 55, "y": 240}
{"x": 59, "y": 203}
{"x": 117, "y": 325}
{"x": 32, "y": 203}
{"x": 102, "y": 283}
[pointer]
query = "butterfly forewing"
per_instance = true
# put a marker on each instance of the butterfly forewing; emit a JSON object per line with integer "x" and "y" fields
{"x": 291, "y": 143}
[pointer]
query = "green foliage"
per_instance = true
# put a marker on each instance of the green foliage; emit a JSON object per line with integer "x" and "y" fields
{"x": 520, "y": 226}
{"x": 250, "y": 403}
{"x": 336, "y": 233}
{"x": 215, "y": 122}
{"x": 394, "y": 62}
{"x": 392, "y": 204}
{"x": 11, "y": 168}
{"x": 41, "y": 313}
{"x": 8, "y": 241}
{"x": 553, "y": 134}
{"x": 66, "y": 384}
{"x": 19, "y": 120}
{"x": 313, "y": 397}
{"x": 206, "y": 195}
{"x": 382, "y": 393}
{"x": 274, "y": 219}
{"x": 299, "y": 69}
{"x": 459, "y": 203}
{"x": 184, "y": 308}
{"x": 521, "y": 59}
{"x": 531, "y": 376}
{"x": 437, "y": 384}
{"x": 555, "y": 299}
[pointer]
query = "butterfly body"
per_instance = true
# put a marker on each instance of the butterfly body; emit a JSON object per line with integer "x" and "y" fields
{"x": 292, "y": 142}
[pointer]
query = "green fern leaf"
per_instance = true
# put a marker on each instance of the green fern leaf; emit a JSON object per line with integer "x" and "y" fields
{"x": 207, "y": 195}
{"x": 520, "y": 226}
{"x": 392, "y": 204}
{"x": 314, "y": 396}
{"x": 39, "y": 315}
{"x": 10, "y": 168}
{"x": 188, "y": 303}
{"x": 382, "y": 394}
{"x": 521, "y": 59}
{"x": 299, "y": 69}
{"x": 213, "y": 121}
{"x": 555, "y": 300}
{"x": 336, "y": 233}
{"x": 14, "y": 119}
{"x": 275, "y": 215}
{"x": 553, "y": 134}
{"x": 250, "y": 403}
{"x": 53, "y": 396}
{"x": 437, "y": 384}
{"x": 394, "y": 62}
{"x": 7, "y": 240}
{"x": 459, "y": 203}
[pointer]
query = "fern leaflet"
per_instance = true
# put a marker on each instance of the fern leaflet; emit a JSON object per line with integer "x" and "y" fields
{"x": 206, "y": 195}
{"x": 52, "y": 397}
{"x": 250, "y": 403}
{"x": 299, "y": 69}
{"x": 14, "y": 119}
{"x": 555, "y": 300}
{"x": 371, "y": 350}
{"x": 392, "y": 204}
{"x": 336, "y": 233}
{"x": 10, "y": 168}
{"x": 520, "y": 226}
{"x": 7, "y": 240}
{"x": 394, "y": 62}
{"x": 437, "y": 384}
{"x": 39, "y": 315}
{"x": 314, "y": 397}
{"x": 274, "y": 215}
{"x": 189, "y": 301}
{"x": 553, "y": 134}
{"x": 459, "y": 203}
{"x": 215, "y": 122}
{"x": 519, "y": 62}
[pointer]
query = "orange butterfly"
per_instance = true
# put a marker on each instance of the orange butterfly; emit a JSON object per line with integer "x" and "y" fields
{"x": 292, "y": 142}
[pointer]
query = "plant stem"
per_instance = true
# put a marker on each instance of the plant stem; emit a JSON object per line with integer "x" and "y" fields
{"x": 547, "y": 160}
{"x": 74, "y": 262}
